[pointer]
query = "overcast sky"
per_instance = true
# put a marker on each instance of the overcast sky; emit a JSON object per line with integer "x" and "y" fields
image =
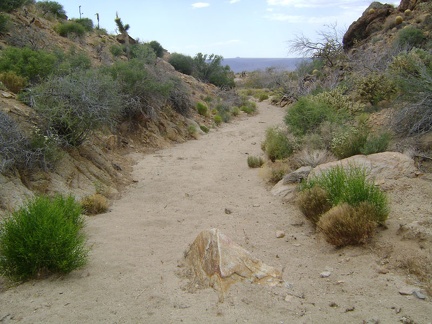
{"x": 231, "y": 28}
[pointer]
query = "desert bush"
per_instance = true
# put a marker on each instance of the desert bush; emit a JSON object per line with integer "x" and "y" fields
{"x": 375, "y": 87}
{"x": 87, "y": 23}
{"x": 13, "y": 82}
{"x": 209, "y": 68}
{"x": 94, "y": 204}
{"x": 262, "y": 97}
{"x": 143, "y": 52}
{"x": 249, "y": 107}
{"x": 204, "y": 128}
{"x": 13, "y": 145}
{"x": 307, "y": 114}
{"x": 52, "y": 7}
{"x": 145, "y": 89}
{"x": 157, "y": 48}
{"x": 179, "y": 97}
{"x": 70, "y": 28}
{"x": 4, "y": 24}
{"x": 255, "y": 161}
{"x": 277, "y": 145}
{"x": 313, "y": 157}
{"x": 338, "y": 101}
{"x": 409, "y": 37}
{"x": 376, "y": 143}
{"x": 116, "y": 50}
{"x": 77, "y": 104}
{"x": 413, "y": 76}
{"x": 41, "y": 238}
{"x": 347, "y": 225}
{"x": 9, "y": 5}
{"x": 25, "y": 62}
{"x": 224, "y": 111}
{"x": 202, "y": 109}
{"x": 71, "y": 60}
{"x": 313, "y": 202}
{"x": 350, "y": 185}
{"x": 217, "y": 119}
{"x": 348, "y": 142}
{"x": 182, "y": 63}
{"x": 235, "y": 111}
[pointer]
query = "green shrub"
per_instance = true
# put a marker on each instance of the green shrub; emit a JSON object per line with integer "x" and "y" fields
{"x": 262, "y": 97}
{"x": 87, "y": 23}
{"x": 375, "y": 87}
{"x": 204, "y": 128}
{"x": 157, "y": 48}
{"x": 338, "y": 101}
{"x": 255, "y": 161}
{"x": 376, "y": 143}
{"x": 350, "y": 141}
{"x": 235, "y": 111}
{"x": 71, "y": 61}
{"x": 143, "y": 87}
{"x": 27, "y": 63}
{"x": 217, "y": 119}
{"x": 3, "y": 24}
{"x": 208, "y": 68}
{"x": 350, "y": 185}
{"x": 249, "y": 107}
{"x": 9, "y": 5}
{"x": 307, "y": 114}
{"x": 179, "y": 97}
{"x": 410, "y": 37}
{"x": 224, "y": 111}
{"x": 70, "y": 28}
{"x": 347, "y": 225}
{"x": 52, "y": 7}
{"x": 276, "y": 144}
{"x": 41, "y": 238}
{"x": 202, "y": 109}
{"x": 48, "y": 145}
{"x": 84, "y": 101}
{"x": 116, "y": 50}
{"x": 12, "y": 81}
{"x": 143, "y": 52}
{"x": 182, "y": 63}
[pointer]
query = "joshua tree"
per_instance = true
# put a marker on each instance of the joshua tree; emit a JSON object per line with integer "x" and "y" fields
{"x": 123, "y": 30}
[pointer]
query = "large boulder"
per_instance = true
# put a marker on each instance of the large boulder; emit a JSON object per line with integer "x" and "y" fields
{"x": 371, "y": 21}
{"x": 214, "y": 260}
{"x": 380, "y": 166}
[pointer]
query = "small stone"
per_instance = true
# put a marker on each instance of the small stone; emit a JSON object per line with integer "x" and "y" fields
{"x": 228, "y": 211}
{"x": 333, "y": 304}
{"x": 418, "y": 294}
{"x": 280, "y": 234}
{"x": 406, "y": 291}
{"x": 325, "y": 274}
{"x": 383, "y": 270}
{"x": 289, "y": 298}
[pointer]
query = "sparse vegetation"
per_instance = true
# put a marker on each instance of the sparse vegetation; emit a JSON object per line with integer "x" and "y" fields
{"x": 277, "y": 145}
{"x": 94, "y": 204}
{"x": 202, "y": 109}
{"x": 42, "y": 238}
{"x": 254, "y": 161}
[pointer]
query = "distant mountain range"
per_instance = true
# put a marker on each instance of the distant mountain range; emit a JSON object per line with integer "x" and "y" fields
{"x": 239, "y": 64}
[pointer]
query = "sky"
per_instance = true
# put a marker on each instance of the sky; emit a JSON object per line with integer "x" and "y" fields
{"x": 230, "y": 28}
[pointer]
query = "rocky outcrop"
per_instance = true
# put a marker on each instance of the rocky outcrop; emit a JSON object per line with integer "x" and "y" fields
{"x": 214, "y": 260}
{"x": 409, "y": 4}
{"x": 371, "y": 21}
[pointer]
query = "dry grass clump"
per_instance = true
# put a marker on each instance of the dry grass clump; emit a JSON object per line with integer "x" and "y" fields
{"x": 418, "y": 266}
{"x": 347, "y": 225}
{"x": 313, "y": 203}
{"x": 273, "y": 172}
{"x": 313, "y": 158}
{"x": 94, "y": 204}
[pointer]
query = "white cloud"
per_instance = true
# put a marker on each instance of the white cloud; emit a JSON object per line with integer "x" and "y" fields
{"x": 200, "y": 5}
{"x": 234, "y": 1}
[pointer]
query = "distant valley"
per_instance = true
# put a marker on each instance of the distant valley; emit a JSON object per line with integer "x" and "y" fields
{"x": 239, "y": 64}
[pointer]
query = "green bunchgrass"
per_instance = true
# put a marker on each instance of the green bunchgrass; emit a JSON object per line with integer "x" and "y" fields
{"x": 255, "y": 161}
{"x": 350, "y": 185}
{"x": 42, "y": 238}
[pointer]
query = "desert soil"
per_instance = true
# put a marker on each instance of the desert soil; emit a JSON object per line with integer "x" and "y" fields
{"x": 132, "y": 274}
